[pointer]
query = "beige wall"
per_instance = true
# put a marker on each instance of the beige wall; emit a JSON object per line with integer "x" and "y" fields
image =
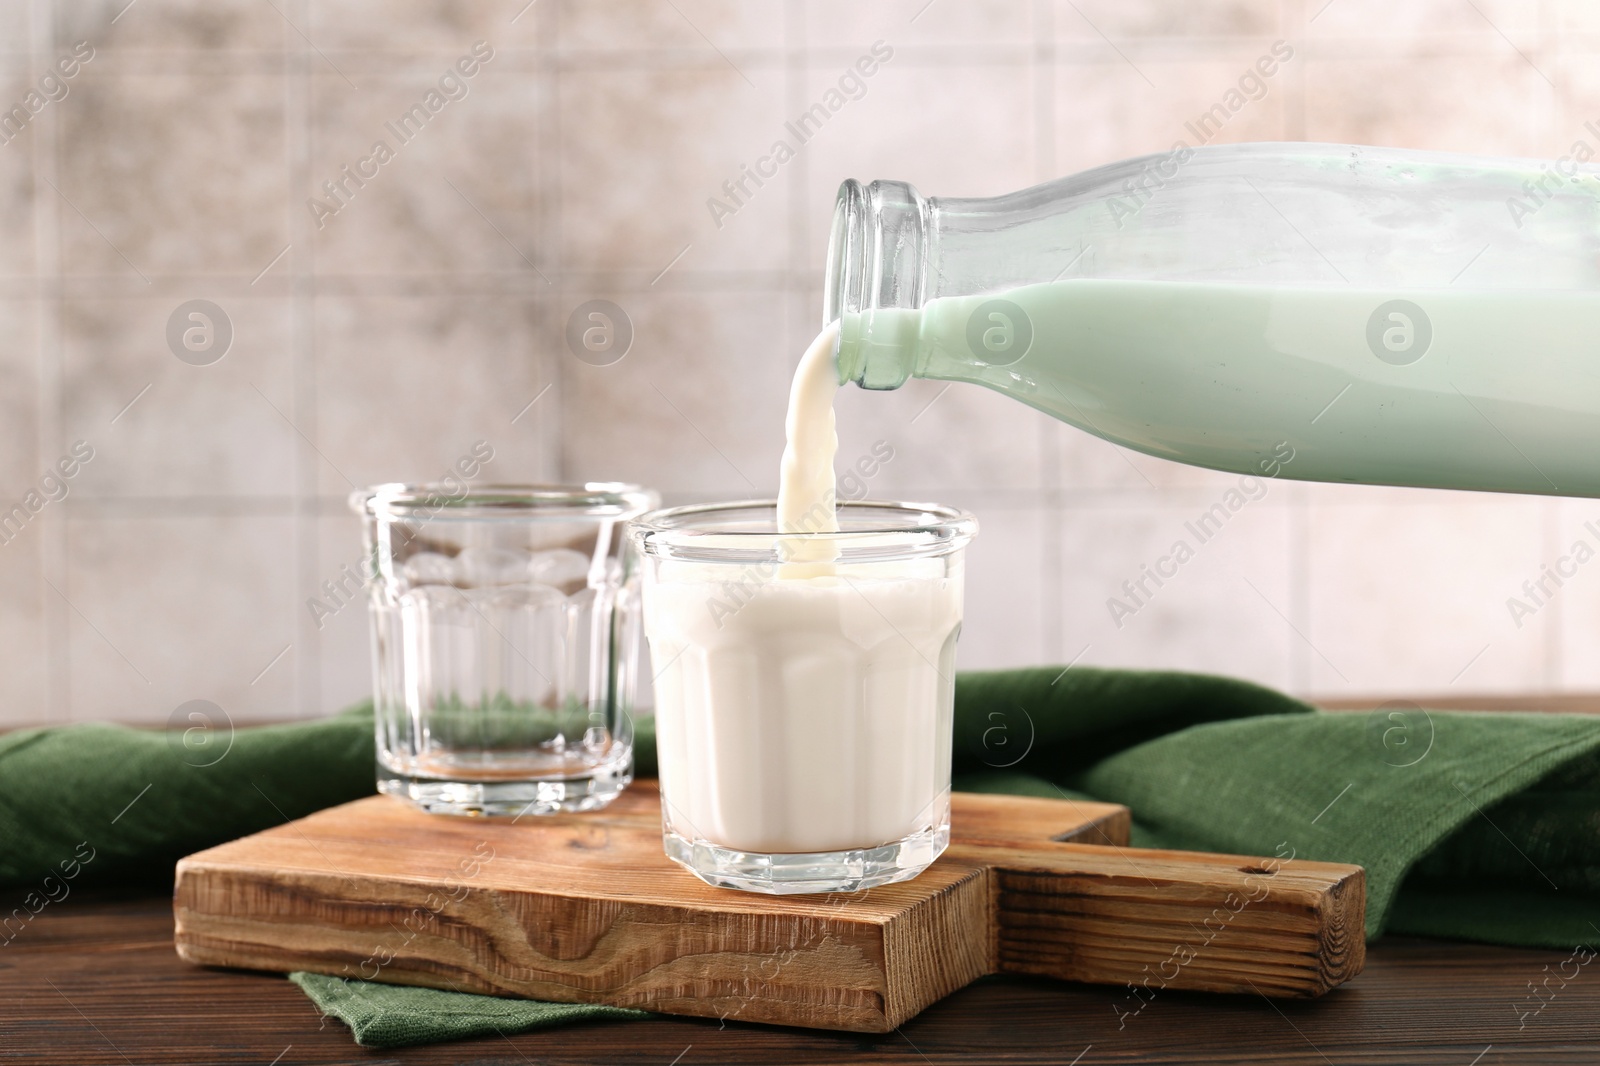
{"x": 429, "y": 311}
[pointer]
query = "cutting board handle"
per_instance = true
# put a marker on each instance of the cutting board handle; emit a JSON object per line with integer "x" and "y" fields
{"x": 1155, "y": 920}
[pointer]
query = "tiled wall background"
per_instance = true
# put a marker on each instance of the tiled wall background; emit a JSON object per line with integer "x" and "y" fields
{"x": 429, "y": 312}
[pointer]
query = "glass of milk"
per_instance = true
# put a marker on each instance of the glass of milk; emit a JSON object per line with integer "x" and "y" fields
{"x": 804, "y": 688}
{"x": 504, "y": 643}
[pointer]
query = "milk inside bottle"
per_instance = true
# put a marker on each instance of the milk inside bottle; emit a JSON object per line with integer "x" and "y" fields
{"x": 1388, "y": 317}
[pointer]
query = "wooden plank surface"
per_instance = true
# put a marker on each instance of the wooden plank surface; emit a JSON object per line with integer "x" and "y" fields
{"x": 93, "y": 981}
{"x": 587, "y": 909}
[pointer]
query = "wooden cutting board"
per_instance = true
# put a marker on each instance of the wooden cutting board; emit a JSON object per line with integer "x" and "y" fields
{"x": 586, "y": 908}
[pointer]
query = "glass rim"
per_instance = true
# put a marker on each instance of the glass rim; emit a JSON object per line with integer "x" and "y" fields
{"x": 948, "y": 527}
{"x": 503, "y": 502}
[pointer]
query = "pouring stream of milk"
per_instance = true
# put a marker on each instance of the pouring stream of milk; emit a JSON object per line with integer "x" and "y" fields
{"x": 806, "y": 494}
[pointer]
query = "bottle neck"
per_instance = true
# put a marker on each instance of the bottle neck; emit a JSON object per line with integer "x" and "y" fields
{"x": 877, "y": 278}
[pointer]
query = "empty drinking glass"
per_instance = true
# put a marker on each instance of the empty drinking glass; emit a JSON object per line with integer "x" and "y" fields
{"x": 504, "y": 644}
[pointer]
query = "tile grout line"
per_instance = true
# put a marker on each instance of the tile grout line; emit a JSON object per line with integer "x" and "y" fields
{"x": 1554, "y": 629}
{"x": 794, "y": 61}
{"x": 297, "y": 90}
{"x": 553, "y": 419}
{"x": 791, "y": 301}
{"x": 797, "y": 308}
{"x": 550, "y": 179}
{"x": 1548, "y": 115}
{"x": 1052, "y": 611}
{"x": 54, "y": 543}
{"x": 1157, "y": 49}
{"x": 1292, "y": 27}
{"x": 1292, "y": 126}
{"x": 1299, "y": 664}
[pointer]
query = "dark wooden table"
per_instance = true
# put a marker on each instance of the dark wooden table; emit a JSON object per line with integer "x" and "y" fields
{"x": 95, "y": 980}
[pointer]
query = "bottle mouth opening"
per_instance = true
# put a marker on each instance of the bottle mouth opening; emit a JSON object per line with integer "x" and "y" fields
{"x": 842, "y": 284}
{"x": 877, "y": 249}
{"x": 878, "y": 255}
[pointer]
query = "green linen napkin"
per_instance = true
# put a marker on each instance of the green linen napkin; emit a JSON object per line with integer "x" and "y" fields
{"x": 132, "y": 802}
{"x": 399, "y": 1015}
{"x": 1471, "y": 825}
{"x": 1470, "y": 805}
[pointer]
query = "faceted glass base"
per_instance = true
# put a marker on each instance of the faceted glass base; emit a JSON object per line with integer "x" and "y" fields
{"x": 514, "y": 798}
{"x": 823, "y": 871}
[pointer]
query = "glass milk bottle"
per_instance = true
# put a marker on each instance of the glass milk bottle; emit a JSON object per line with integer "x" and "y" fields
{"x": 1327, "y": 312}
